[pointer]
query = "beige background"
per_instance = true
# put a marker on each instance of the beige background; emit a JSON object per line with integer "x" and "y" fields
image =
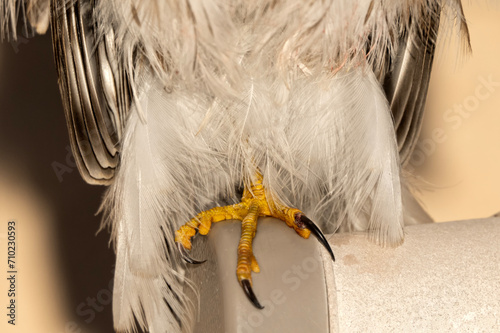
{"x": 64, "y": 267}
{"x": 462, "y": 167}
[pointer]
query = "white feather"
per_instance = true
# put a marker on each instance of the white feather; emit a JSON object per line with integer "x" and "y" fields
{"x": 149, "y": 279}
{"x": 200, "y": 43}
{"x": 326, "y": 146}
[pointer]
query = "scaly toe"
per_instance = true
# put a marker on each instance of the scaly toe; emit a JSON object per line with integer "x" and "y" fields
{"x": 184, "y": 235}
{"x": 254, "y": 265}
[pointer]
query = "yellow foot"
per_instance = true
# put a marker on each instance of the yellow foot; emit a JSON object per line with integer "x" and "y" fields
{"x": 253, "y": 205}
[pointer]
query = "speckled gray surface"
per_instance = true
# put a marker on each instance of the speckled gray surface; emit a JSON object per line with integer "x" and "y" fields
{"x": 444, "y": 278}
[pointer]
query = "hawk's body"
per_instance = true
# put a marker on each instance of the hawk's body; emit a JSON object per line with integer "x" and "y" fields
{"x": 301, "y": 90}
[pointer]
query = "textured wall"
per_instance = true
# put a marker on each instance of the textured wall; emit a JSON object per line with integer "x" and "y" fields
{"x": 444, "y": 278}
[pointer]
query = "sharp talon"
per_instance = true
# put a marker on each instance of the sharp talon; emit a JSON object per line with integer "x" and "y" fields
{"x": 317, "y": 233}
{"x": 247, "y": 288}
{"x": 186, "y": 256}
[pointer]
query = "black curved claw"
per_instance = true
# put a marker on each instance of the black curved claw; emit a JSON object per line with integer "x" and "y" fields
{"x": 247, "y": 288}
{"x": 186, "y": 256}
{"x": 304, "y": 220}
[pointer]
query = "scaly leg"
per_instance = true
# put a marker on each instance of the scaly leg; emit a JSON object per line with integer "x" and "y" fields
{"x": 253, "y": 205}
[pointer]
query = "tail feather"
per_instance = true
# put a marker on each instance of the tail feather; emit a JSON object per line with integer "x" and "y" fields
{"x": 149, "y": 280}
{"x": 340, "y": 155}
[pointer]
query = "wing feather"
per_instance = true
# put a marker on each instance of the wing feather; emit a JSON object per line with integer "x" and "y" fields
{"x": 407, "y": 82}
{"x": 95, "y": 111}
{"x": 406, "y": 85}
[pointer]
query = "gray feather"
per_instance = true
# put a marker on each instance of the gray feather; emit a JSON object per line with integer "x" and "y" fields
{"x": 407, "y": 83}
